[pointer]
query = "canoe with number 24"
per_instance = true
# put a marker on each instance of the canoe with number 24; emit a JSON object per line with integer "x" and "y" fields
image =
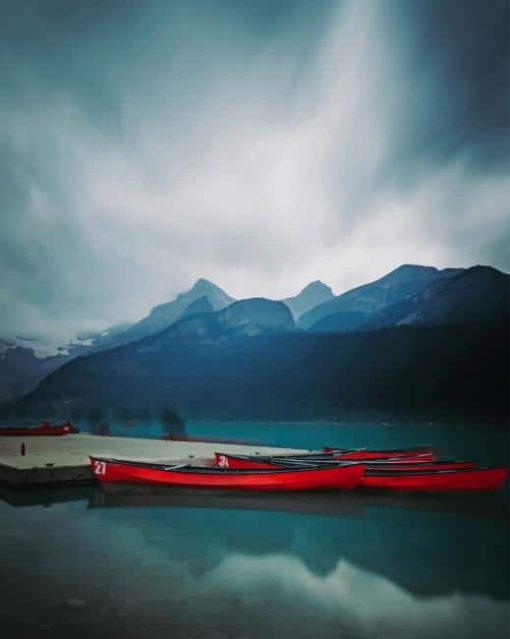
{"x": 428, "y": 476}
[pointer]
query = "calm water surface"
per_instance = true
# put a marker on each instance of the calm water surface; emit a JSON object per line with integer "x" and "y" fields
{"x": 148, "y": 562}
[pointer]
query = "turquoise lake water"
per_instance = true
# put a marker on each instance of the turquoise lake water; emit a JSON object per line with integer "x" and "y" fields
{"x": 155, "y": 562}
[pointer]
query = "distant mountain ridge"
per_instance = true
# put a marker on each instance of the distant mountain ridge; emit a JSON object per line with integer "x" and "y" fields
{"x": 203, "y": 296}
{"x": 246, "y": 318}
{"x": 311, "y": 296}
{"x": 353, "y": 308}
{"x": 21, "y": 369}
{"x": 479, "y": 293}
{"x": 411, "y": 295}
{"x": 218, "y": 370}
{"x": 199, "y": 306}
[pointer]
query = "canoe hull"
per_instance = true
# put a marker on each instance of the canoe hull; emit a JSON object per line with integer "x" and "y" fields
{"x": 431, "y": 476}
{"x": 477, "y": 479}
{"x": 342, "y": 477}
{"x": 427, "y": 466}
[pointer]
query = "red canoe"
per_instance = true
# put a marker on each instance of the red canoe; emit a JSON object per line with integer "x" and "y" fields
{"x": 474, "y": 479}
{"x": 431, "y": 476}
{"x": 362, "y": 454}
{"x": 421, "y": 452}
{"x": 45, "y": 429}
{"x": 312, "y": 478}
{"x": 392, "y": 466}
{"x": 226, "y": 460}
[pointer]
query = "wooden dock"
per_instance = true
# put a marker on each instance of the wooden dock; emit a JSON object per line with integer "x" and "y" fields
{"x": 65, "y": 460}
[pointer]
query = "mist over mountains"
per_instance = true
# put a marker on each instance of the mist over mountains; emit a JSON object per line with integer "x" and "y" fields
{"x": 22, "y": 367}
{"x": 417, "y": 341}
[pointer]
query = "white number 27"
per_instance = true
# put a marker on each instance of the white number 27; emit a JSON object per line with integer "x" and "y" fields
{"x": 100, "y": 467}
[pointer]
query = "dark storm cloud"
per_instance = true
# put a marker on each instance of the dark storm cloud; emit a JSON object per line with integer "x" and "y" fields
{"x": 259, "y": 143}
{"x": 456, "y": 57}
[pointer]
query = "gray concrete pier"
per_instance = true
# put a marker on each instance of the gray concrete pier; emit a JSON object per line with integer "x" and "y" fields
{"x": 65, "y": 459}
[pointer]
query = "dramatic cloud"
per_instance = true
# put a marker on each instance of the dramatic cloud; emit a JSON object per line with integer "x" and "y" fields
{"x": 260, "y": 144}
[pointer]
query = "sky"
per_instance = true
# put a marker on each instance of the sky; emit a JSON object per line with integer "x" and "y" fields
{"x": 261, "y": 144}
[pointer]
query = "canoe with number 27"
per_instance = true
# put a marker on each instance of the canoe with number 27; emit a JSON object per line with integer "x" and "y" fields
{"x": 318, "y": 477}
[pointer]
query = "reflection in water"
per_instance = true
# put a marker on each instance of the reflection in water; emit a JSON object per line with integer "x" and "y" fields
{"x": 151, "y": 562}
{"x": 45, "y": 496}
{"x": 411, "y": 544}
{"x": 345, "y": 504}
{"x": 138, "y": 562}
{"x": 351, "y": 503}
{"x": 354, "y": 601}
{"x": 348, "y": 504}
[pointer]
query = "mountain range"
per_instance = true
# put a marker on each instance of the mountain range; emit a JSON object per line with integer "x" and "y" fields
{"x": 421, "y": 372}
{"x": 209, "y": 355}
{"x": 23, "y": 366}
{"x": 312, "y": 295}
{"x": 353, "y": 308}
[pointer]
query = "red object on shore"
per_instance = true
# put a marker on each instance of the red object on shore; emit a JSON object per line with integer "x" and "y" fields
{"x": 45, "y": 429}
{"x": 313, "y": 478}
{"x": 475, "y": 479}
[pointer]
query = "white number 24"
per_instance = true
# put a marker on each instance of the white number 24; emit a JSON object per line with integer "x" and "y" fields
{"x": 223, "y": 461}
